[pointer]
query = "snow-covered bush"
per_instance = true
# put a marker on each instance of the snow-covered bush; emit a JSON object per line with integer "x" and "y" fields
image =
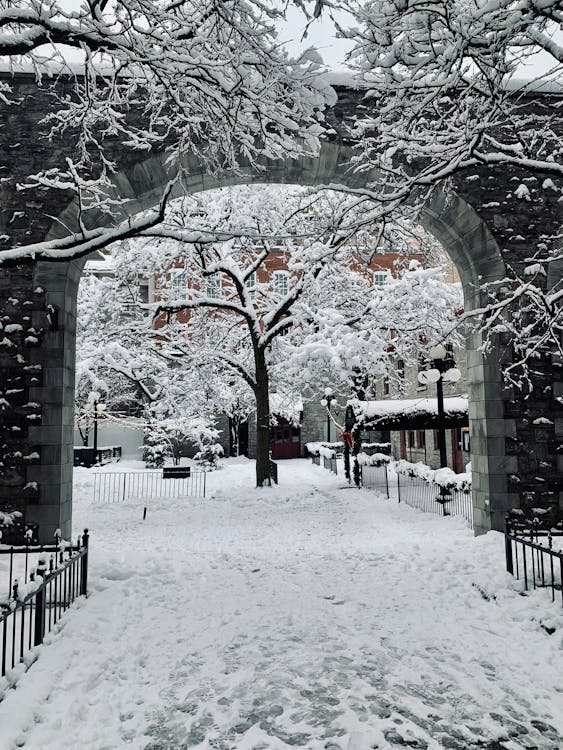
{"x": 209, "y": 455}
{"x": 445, "y": 477}
{"x": 328, "y": 450}
{"x": 375, "y": 459}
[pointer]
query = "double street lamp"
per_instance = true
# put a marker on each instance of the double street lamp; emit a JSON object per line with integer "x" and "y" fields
{"x": 442, "y": 371}
{"x": 328, "y": 399}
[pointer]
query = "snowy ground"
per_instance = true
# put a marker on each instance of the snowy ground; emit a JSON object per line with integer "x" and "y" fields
{"x": 311, "y": 615}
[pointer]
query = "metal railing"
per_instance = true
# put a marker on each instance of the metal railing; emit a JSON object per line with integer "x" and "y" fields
{"x": 124, "y": 486}
{"x": 327, "y": 463}
{"x": 53, "y": 577}
{"x": 273, "y": 471}
{"x": 534, "y": 562}
{"x": 330, "y": 464}
{"x": 87, "y": 457}
{"x": 418, "y": 493}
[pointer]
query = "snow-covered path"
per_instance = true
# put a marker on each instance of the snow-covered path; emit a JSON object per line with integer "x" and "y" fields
{"x": 310, "y": 615}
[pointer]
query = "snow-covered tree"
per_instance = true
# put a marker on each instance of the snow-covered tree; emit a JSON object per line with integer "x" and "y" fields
{"x": 206, "y": 78}
{"x": 458, "y": 85}
{"x": 359, "y": 330}
{"x": 118, "y": 362}
{"x": 284, "y": 303}
{"x": 444, "y": 81}
{"x": 264, "y": 306}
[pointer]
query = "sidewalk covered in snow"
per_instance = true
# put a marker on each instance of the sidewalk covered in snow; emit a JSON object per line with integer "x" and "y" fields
{"x": 310, "y": 615}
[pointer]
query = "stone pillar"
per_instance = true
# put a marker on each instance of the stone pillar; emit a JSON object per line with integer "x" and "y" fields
{"x": 22, "y": 323}
{"x": 53, "y": 472}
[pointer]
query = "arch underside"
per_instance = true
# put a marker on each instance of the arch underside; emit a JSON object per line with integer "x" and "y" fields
{"x": 451, "y": 220}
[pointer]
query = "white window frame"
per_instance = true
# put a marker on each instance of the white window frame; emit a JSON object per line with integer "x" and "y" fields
{"x": 178, "y": 281}
{"x": 213, "y": 286}
{"x": 250, "y": 284}
{"x": 380, "y": 278}
{"x": 281, "y": 278}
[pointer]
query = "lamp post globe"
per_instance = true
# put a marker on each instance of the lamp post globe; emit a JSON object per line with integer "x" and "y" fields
{"x": 438, "y": 352}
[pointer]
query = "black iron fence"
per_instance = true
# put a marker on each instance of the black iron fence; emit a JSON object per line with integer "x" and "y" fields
{"x": 125, "y": 486}
{"x": 41, "y": 584}
{"x": 417, "y": 492}
{"x": 533, "y": 560}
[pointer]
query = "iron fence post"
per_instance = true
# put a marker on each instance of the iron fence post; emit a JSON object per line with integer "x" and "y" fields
{"x": 398, "y": 488}
{"x": 39, "y": 628}
{"x": 508, "y": 546}
{"x": 386, "y": 480}
{"x": 84, "y": 568}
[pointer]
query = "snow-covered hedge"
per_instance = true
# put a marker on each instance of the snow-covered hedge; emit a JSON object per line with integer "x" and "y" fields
{"x": 8, "y": 519}
{"x": 442, "y": 477}
{"x": 328, "y": 450}
{"x": 375, "y": 459}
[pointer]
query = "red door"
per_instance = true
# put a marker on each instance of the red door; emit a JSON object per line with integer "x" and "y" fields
{"x": 403, "y": 445}
{"x": 285, "y": 440}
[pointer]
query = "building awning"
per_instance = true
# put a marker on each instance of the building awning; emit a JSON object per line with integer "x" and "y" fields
{"x": 407, "y": 414}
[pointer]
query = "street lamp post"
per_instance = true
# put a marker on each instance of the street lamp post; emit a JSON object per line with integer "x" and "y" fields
{"x": 326, "y": 402}
{"x": 439, "y": 373}
{"x": 95, "y": 429}
{"x": 95, "y": 408}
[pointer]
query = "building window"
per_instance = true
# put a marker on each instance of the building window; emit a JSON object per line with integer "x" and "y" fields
{"x": 410, "y": 435}
{"x": 213, "y": 286}
{"x": 420, "y": 439}
{"x": 380, "y": 278}
{"x": 143, "y": 293}
{"x": 250, "y": 284}
{"x": 401, "y": 368}
{"x": 436, "y": 440}
{"x": 280, "y": 283}
{"x": 178, "y": 283}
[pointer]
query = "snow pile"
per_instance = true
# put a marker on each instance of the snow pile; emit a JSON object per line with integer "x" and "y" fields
{"x": 310, "y": 615}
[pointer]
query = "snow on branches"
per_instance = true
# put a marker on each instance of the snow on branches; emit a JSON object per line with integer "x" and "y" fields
{"x": 201, "y": 80}
{"x": 442, "y": 78}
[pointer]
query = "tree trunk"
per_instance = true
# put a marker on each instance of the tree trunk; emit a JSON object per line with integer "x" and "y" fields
{"x": 234, "y": 425}
{"x": 262, "y": 395}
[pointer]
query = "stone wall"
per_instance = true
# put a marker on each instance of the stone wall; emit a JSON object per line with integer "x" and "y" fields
{"x": 484, "y": 221}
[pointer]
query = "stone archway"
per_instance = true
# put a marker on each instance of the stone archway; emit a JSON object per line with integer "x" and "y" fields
{"x": 448, "y": 217}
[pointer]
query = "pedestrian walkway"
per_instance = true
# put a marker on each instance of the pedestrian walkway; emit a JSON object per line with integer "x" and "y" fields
{"x": 310, "y": 615}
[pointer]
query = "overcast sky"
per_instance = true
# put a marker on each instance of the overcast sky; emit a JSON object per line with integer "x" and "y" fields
{"x": 321, "y": 35}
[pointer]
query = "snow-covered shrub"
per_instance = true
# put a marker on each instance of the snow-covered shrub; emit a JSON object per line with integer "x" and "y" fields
{"x": 205, "y": 437}
{"x": 155, "y": 451}
{"x": 445, "y": 477}
{"x": 329, "y": 450}
{"x": 375, "y": 459}
{"x": 209, "y": 455}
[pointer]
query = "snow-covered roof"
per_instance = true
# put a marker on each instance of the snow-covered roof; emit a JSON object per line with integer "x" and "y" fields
{"x": 406, "y": 413}
{"x": 100, "y": 266}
